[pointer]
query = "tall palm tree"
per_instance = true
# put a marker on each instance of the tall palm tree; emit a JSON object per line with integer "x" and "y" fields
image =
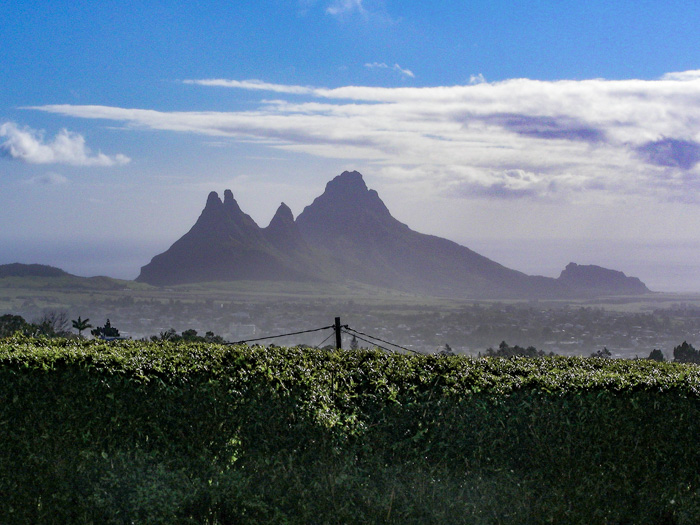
{"x": 80, "y": 325}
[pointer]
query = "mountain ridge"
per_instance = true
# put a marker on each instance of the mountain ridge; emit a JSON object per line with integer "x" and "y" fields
{"x": 347, "y": 233}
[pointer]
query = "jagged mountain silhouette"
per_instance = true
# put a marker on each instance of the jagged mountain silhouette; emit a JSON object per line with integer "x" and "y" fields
{"x": 348, "y": 234}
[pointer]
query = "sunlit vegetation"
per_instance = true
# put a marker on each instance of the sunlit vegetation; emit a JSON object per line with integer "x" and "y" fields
{"x": 159, "y": 432}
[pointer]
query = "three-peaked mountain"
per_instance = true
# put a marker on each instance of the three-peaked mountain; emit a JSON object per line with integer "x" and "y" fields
{"x": 348, "y": 234}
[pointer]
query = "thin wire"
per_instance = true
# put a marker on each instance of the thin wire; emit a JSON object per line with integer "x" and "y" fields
{"x": 386, "y": 342}
{"x": 371, "y": 342}
{"x": 326, "y": 339}
{"x": 281, "y": 335}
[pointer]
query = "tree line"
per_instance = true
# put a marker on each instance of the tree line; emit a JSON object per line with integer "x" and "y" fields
{"x": 58, "y": 324}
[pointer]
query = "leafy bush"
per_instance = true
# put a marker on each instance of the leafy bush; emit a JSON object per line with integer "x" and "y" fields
{"x": 133, "y": 432}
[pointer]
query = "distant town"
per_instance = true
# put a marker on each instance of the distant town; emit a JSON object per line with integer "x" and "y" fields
{"x": 468, "y": 329}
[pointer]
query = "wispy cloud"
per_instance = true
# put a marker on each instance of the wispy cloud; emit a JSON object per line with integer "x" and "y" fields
{"x": 67, "y": 147}
{"x": 255, "y": 85}
{"x": 477, "y": 79}
{"x": 48, "y": 179}
{"x": 371, "y": 12}
{"x": 340, "y": 7}
{"x": 517, "y": 138}
{"x": 683, "y": 75}
{"x": 395, "y": 67}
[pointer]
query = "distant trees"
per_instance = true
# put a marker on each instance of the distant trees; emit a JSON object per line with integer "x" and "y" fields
{"x": 189, "y": 335}
{"x": 53, "y": 323}
{"x": 50, "y": 324}
{"x": 81, "y": 324}
{"x": 105, "y": 332}
{"x": 445, "y": 350}
{"x": 657, "y": 355}
{"x": 504, "y": 350}
{"x": 604, "y": 353}
{"x": 685, "y": 353}
{"x": 11, "y": 324}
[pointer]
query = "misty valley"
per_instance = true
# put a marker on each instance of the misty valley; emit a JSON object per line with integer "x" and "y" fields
{"x": 345, "y": 255}
{"x": 628, "y": 327}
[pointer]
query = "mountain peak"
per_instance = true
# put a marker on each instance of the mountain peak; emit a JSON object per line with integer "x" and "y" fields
{"x": 347, "y": 183}
{"x": 213, "y": 199}
{"x": 283, "y": 215}
{"x": 228, "y": 197}
{"x": 283, "y": 233}
{"x": 346, "y": 198}
{"x": 232, "y": 208}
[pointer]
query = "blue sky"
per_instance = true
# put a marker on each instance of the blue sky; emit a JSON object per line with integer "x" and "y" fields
{"x": 537, "y": 133}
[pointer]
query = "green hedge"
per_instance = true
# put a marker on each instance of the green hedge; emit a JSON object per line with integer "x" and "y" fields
{"x": 131, "y": 432}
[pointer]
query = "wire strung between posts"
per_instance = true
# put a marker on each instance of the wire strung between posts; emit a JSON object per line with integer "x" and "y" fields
{"x": 370, "y": 342}
{"x": 281, "y": 335}
{"x": 326, "y": 339}
{"x": 383, "y": 341}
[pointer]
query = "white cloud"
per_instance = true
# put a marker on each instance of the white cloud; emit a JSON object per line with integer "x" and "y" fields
{"x": 256, "y": 85}
{"x": 340, "y": 7}
{"x": 517, "y": 138}
{"x": 395, "y": 67}
{"x": 477, "y": 79}
{"x": 682, "y": 75}
{"x": 67, "y": 147}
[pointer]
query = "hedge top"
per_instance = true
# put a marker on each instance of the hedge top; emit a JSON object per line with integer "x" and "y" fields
{"x": 349, "y": 370}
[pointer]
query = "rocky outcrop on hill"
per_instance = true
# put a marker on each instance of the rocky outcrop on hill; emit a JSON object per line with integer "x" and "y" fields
{"x": 595, "y": 280}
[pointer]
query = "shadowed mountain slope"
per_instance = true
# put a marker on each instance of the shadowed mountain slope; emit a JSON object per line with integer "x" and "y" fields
{"x": 355, "y": 231}
{"x": 348, "y": 234}
{"x": 226, "y": 244}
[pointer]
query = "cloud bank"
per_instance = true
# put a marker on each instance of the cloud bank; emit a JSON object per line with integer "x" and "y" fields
{"x": 517, "y": 138}
{"x": 67, "y": 147}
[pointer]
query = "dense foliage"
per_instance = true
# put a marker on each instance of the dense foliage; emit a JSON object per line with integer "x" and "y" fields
{"x": 134, "y": 432}
{"x": 685, "y": 353}
{"x": 51, "y": 324}
{"x": 505, "y": 350}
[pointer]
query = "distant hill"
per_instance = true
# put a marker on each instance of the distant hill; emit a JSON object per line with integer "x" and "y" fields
{"x": 43, "y": 276}
{"x": 348, "y": 234}
{"x": 30, "y": 270}
{"x": 596, "y": 280}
